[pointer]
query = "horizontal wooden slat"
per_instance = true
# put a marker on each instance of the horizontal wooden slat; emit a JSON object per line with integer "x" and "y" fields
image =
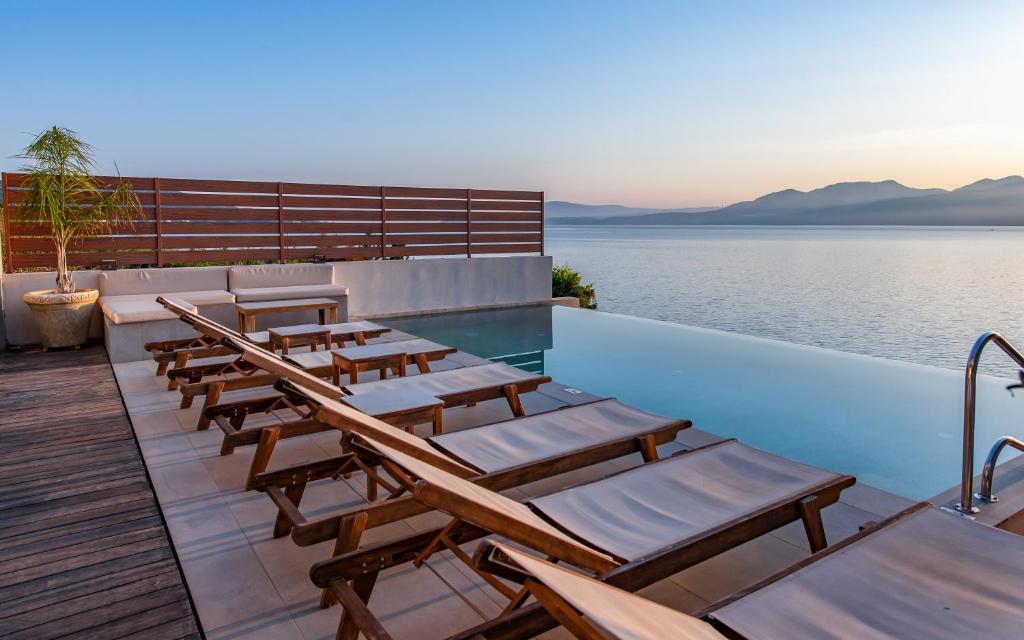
{"x": 19, "y": 244}
{"x": 331, "y": 240}
{"x": 226, "y": 186}
{"x": 370, "y": 215}
{"x": 531, "y": 237}
{"x": 36, "y": 260}
{"x": 497, "y": 194}
{"x": 506, "y": 216}
{"x": 195, "y": 228}
{"x": 424, "y": 192}
{"x": 426, "y": 227}
{"x": 217, "y": 199}
{"x": 37, "y": 229}
{"x": 219, "y": 242}
{"x": 16, "y": 197}
{"x": 332, "y": 253}
{"x": 426, "y": 238}
{"x": 320, "y": 202}
{"x": 228, "y": 213}
{"x": 422, "y": 204}
{"x": 500, "y": 205}
{"x": 507, "y": 248}
{"x": 440, "y": 250}
{"x": 331, "y": 227}
{"x": 506, "y": 226}
{"x": 427, "y": 216}
{"x": 215, "y": 255}
{"x": 298, "y": 188}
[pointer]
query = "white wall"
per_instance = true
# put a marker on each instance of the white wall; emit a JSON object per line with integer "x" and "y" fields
{"x": 391, "y": 287}
{"x": 376, "y": 287}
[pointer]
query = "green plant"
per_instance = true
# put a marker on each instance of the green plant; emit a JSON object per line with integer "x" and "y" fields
{"x": 62, "y": 191}
{"x": 566, "y": 281}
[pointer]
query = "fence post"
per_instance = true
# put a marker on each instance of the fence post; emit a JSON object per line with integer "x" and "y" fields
{"x": 469, "y": 223}
{"x": 8, "y": 260}
{"x": 159, "y": 223}
{"x": 280, "y": 222}
{"x": 383, "y": 223}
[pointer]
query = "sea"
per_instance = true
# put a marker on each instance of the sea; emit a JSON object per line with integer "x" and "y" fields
{"x": 918, "y": 294}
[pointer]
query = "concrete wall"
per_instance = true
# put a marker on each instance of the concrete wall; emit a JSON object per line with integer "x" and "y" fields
{"x": 376, "y": 288}
{"x": 392, "y": 287}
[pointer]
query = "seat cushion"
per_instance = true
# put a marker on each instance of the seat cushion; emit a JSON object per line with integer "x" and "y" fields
{"x": 293, "y": 292}
{"x": 279, "y": 275}
{"x": 201, "y": 298}
{"x": 640, "y": 511}
{"x": 140, "y": 308}
{"x": 143, "y": 281}
{"x": 514, "y": 442}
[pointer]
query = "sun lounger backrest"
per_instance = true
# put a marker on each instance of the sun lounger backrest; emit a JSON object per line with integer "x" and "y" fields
{"x": 492, "y": 511}
{"x": 332, "y": 412}
{"x": 618, "y": 613}
{"x": 202, "y": 324}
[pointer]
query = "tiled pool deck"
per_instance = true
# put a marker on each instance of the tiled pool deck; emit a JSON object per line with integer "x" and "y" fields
{"x": 246, "y": 584}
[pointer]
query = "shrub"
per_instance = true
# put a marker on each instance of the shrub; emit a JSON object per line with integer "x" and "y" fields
{"x": 566, "y": 281}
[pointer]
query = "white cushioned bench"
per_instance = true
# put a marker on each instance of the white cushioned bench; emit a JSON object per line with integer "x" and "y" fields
{"x": 132, "y": 317}
{"x": 272, "y": 282}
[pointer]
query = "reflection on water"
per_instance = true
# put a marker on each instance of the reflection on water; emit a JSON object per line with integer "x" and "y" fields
{"x": 915, "y": 294}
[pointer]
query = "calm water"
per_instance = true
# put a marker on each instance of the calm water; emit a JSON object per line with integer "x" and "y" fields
{"x": 915, "y": 294}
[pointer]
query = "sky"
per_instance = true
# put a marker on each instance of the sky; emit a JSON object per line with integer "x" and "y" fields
{"x": 661, "y": 104}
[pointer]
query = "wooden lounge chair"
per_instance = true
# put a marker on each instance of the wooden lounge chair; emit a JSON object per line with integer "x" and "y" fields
{"x": 645, "y": 524}
{"x": 213, "y": 379}
{"x": 179, "y": 352}
{"x": 921, "y": 574}
{"x": 502, "y": 455}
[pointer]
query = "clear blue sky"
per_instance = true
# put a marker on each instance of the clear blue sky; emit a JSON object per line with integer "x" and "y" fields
{"x": 646, "y": 103}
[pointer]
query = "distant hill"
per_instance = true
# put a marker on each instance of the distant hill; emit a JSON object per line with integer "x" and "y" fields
{"x": 562, "y": 209}
{"x": 986, "y": 202}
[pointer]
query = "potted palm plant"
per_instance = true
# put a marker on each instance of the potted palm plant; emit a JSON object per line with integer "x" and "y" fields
{"x": 60, "y": 190}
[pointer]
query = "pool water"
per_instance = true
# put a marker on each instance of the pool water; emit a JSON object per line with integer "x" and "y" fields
{"x": 894, "y": 425}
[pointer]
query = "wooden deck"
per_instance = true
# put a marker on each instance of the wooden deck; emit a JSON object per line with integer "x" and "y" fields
{"x": 83, "y": 548}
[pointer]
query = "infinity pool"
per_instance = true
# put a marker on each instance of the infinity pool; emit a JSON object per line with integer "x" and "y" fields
{"x": 892, "y": 424}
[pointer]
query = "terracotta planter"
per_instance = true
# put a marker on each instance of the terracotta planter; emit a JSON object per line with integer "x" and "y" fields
{"x": 62, "y": 319}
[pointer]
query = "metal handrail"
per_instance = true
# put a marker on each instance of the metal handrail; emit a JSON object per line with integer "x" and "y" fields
{"x": 970, "y": 396}
{"x": 989, "y": 471}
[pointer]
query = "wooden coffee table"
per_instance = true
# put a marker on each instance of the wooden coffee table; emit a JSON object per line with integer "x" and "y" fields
{"x": 247, "y": 311}
{"x": 383, "y": 356}
{"x": 304, "y": 334}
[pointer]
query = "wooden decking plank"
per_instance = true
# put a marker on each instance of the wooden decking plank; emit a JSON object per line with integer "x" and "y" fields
{"x": 83, "y": 548}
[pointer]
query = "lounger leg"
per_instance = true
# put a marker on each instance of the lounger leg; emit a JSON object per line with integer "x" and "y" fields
{"x": 161, "y": 368}
{"x": 438, "y": 420}
{"x": 422, "y": 363}
{"x": 213, "y": 392}
{"x": 360, "y": 338}
{"x": 371, "y": 488}
{"x": 180, "y": 360}
{"x": 350, "y": 532}
{"x": 648, "y": 448}
{"x": 268, "y": 440}
{"x": 186, "y": 402}
{"x": 810, "y": 513}
{"x": 362, "y": 587}
{"x": 282, "y": 526}
{"x": 512, "y": 395}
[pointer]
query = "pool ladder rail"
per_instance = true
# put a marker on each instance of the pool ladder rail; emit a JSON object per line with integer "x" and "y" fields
{"x": 967, "y": 495}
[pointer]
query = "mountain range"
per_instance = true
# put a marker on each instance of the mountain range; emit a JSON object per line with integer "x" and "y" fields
{"x": 986, "y": 202}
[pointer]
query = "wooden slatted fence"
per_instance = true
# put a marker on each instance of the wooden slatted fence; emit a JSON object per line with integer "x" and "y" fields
{"x": 228, "y": 221}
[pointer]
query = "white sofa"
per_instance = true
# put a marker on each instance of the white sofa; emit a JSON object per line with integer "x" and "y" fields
{"x": 132, "y": 317}
{"x": 264, "y": 282}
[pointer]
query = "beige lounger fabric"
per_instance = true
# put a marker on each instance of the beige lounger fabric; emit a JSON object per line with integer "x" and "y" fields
{"x": 928, "y": 575}
{"x": 445, "y": 383}
{"x": 476, "y": 502}
{"x": 618, "y": 613}
{"x": 648, "y": 508}
{"x": 312, "y": 359}
{"x": 507, "y": 444}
